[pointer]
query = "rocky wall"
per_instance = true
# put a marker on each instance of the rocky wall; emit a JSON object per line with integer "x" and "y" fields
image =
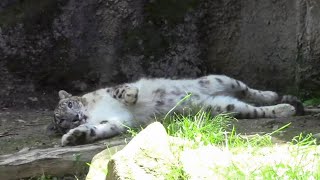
{"x": 80, "y": 45}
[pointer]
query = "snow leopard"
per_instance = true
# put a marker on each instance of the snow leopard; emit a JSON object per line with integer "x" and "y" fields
{"x": 110, "y": 111}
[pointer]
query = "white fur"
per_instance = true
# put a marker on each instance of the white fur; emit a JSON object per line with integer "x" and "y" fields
{"x": 159, "y": 96}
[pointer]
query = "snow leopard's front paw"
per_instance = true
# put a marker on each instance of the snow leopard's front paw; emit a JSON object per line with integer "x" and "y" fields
{"x": 80, "y": 135}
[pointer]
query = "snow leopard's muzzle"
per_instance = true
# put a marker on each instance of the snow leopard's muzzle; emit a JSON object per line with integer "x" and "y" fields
{"x": 66, "y": 122}
{"x": 68, "y": 114}
{"x": 60, "y": 126}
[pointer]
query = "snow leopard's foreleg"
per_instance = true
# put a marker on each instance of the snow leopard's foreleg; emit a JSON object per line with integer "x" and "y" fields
{"x": 124, "y": 93}
{"x": 239, "y": 109}
{"x": 88, "y": 133}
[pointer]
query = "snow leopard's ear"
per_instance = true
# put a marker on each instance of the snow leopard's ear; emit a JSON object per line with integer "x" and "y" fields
{"x": 63, "y": 94}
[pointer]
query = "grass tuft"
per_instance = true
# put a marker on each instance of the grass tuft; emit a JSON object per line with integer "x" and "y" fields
{"x": 247, "y": 157}
{"x": 298, "y": 159}
{"x": 201, "y": 127}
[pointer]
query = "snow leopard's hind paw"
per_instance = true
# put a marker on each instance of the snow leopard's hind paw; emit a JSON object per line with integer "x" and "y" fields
{"x": 295, "y": 102}
{"x": 126, "y": 94}
{"x": 283, "y": 110}
{"x": 131, "y": 95}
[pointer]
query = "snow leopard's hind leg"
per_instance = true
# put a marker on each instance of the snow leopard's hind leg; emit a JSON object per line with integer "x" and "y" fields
{"x": 240, "y": 109}
{"x": 217, "y": 85}
{"x": 124, "y": 93}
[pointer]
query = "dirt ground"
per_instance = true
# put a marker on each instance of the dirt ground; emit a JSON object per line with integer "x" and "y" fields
{"x": 26, "y": 129}
{"x": 299, "y": 124}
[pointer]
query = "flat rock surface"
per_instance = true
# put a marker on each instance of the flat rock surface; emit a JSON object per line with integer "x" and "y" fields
{"x": 24, "y": 129}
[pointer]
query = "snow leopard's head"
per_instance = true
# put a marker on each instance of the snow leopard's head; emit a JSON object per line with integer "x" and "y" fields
{"x": 68, "y": 114}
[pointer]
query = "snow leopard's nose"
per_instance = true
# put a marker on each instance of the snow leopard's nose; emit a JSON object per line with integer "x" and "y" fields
{"x": 76, "y": 118}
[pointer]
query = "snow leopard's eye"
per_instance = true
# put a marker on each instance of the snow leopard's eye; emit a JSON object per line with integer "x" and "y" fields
{"x": 69, "y": 104}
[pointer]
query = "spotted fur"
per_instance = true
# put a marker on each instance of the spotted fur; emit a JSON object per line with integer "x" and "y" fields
{"x": 108, "y": 112}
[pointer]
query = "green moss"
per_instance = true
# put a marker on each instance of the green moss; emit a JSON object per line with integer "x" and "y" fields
{"x": 303, "y": 92}
{"x": 312, "y": 102}
{"x": 306, "y": 94}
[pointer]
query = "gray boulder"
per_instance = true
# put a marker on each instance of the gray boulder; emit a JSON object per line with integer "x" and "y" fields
{"x": 147, "y": 156}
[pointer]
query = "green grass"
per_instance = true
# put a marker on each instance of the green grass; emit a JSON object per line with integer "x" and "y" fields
{"x": 200, "y": 127}
{"x": 202, "y": 130}
{"x": 238, "y": 156}
{"x": 312, "y": 102}
{"x": 218, "y": 130}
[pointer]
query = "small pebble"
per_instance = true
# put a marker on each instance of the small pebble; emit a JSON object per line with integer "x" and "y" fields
{"x": 21, "y": 121}
{"x": 25, "y": 149}
{"x": 33, "y": 99}
{"x": 317, "y": 136}
{"x": 275, "y": 127}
